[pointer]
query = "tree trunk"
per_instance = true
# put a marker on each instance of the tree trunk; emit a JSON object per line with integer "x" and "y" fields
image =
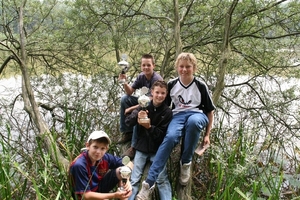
{"x": 183, "y": 192}
{"x": 178, "y": 43}
{"x": 30, "y": 105}
{"x": 220, "y": 84}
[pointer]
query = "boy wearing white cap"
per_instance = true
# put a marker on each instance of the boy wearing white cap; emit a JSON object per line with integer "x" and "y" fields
{"x": 94, "y": 173}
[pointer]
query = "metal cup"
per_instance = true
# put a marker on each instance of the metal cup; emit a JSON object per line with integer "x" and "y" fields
{"x": 125, "y": 172}
{"x": 144, "y": 102}
{"x": 124, "y": 67}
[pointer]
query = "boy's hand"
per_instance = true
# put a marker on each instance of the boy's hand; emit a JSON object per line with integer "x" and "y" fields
{"x": 144, "y": 115}
{"x": 126, "y": 192}
{"x": 122, "y": 194}
{"x": 127, "y": 186}
{"x": 206, "y": 140}
{"x": 122, "y": 76}
{"x": 147, "y": 124}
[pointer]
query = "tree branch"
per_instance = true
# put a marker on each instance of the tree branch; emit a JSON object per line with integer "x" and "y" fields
{"x": 6, "y": 62}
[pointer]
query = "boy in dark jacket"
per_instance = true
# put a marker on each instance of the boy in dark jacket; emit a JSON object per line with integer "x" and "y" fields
{"x": 129, "y": 102}
{"x": 193, "y": 112}
{"x": 149, "y": 136}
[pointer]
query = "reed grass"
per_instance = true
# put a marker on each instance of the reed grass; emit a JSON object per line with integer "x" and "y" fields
{"x": 40, "y": 177}
{"x": 229, "y": 170}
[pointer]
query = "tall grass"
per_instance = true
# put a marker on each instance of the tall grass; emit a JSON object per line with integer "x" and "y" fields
{"x": 6, "y": 174}
{"x": 34, "y": 176}
{"x": 232, "y": 175}
{"x": 32, "y": 173}
{"x": 236, "y": 172}
{"x": 233, "y": 168}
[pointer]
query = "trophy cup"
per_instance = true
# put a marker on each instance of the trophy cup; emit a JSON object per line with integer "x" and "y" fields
{"x": 125, "y": 172}
{"x": 124, "y": 66}
{"x": 144, "y": 101}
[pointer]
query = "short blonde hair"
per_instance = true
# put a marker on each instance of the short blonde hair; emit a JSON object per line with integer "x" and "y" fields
{"x": 187, "y": 56}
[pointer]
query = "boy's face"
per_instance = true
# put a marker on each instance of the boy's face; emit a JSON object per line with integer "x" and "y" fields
{"x": 96, "y": 150}
{"x": 147, "y": 66}
{"x": 185, "y": 69}
{"x": 158, "y": 95}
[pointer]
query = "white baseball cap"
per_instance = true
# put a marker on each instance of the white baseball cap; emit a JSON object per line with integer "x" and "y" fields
{"x": 98, "y": 134}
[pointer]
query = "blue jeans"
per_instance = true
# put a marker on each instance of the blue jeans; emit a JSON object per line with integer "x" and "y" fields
{"x": 163, "y": 184}
{"x": 126, "y": 102}
{"x": 184, "y": 124}
{"x": 134, "y": 137}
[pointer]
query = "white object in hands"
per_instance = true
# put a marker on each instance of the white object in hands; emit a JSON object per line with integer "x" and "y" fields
{"x": 125, "y": 173}
{"x": 200, "y": 149}
{"x": 125, "y": 160}
{"x": 144, "y": 102}
{"x": 144, "y": 90}
{"x": 141, "y": 91}
{"x": 124, "y": 66}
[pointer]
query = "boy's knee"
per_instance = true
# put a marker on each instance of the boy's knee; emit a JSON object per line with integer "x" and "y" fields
{"x": 172, "y": 138}
{"x": 124, "y": 98}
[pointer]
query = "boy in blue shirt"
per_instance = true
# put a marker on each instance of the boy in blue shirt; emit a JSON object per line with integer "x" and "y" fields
{"x": 129, "y": 102}
{"x": 94, "y": 173}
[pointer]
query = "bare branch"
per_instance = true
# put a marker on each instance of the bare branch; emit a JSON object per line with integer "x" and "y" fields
{"x": 6, "y": 62}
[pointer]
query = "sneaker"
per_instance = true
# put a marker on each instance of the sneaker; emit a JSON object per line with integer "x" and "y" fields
{"x": 144, "y": 193}
{"x": 185, "y": 172}
{"x": 130, "y": 153}
{"x": 126, "y": 137}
